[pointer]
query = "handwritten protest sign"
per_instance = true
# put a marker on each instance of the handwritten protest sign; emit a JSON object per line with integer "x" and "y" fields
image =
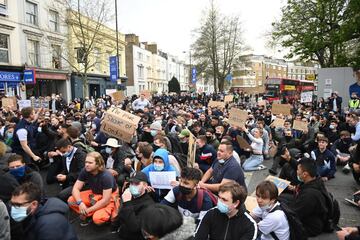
{"x": 9, "y": 102}
{"x": 237, "y": 117}
{"x": 281, "y": 109}
{"x": 250, "y": 203}
{"x": 191, "y": 151}
{"x": 278, "y": 122}
{"x": 147, "y": 94}
{"x": 228, "y": 98}
{"x": 24, "y": 103}
{"x": 162, "y": 180}
{"x": 244, "y": 145}
{"x": 306, "y": 97}
{"x": 118, "y": 96}
{"x": 120, "y": 124}
{"x": 216, "y": 104}
{"x": 300, "y": 125}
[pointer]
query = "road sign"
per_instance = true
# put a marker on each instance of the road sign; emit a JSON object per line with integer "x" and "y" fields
{"x": 114, "y": 74}
{"x": 193, "y": 75}
{"x": 29, "y": 76}
{"x": 228, "y": 77}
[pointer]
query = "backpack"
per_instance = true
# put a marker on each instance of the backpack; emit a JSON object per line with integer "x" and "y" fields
{"x": 181, "y": 159}
{"x": 333, "y": 214}
{"x": 84, "y": 146}
{"x": 200, "y": 197}
{"x": 296, "y": 228}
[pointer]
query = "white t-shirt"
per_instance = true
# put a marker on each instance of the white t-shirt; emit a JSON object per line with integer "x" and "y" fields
{"x": 22, "y": 134}
{"x": 110, "y": 163}
{"x": 272, "y": 222}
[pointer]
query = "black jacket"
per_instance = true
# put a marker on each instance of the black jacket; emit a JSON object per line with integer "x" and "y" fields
{"x": 310, "y": 205}
{"x": 216, "y": 225}
{"x": 77, "y": 163}
{"x": 49, "y": 222}
{"x": 129, "y": 217}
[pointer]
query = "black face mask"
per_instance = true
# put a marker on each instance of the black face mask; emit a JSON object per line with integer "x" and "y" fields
{"x": 209, "y": 139}
{"x": 185, "y": 190}
{"x": 155, "y": 147}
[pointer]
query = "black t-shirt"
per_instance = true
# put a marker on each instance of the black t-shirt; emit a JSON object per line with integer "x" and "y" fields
{"x": 102, "y": 181}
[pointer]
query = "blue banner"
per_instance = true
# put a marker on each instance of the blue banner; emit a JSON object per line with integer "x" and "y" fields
{"x": 193, "y": 75}
{"x": 114, "y": 74}
{"x": 29, "y": 76}
{"x": 10, "y": 77}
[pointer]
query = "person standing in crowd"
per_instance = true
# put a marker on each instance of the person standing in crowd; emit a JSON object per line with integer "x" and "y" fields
{"x": 354, "y": 102}
{"x": 54, "y": 104}
{"x": 24, "y": 138}
{"x": 224, "y": 221}
{"x": 355, "y": 88}
{"x": 141, "y": 103}
{"x": 39, "y": 219}
{"x": 335, "y": 102}
{"x": 100, "y": 202}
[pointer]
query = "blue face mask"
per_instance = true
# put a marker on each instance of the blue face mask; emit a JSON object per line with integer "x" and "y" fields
{"x": 19, "y": 213}
{"x": 223, "y": 208}
{"x": 10, "y": 135}
{"x": 134, "y": 190}
{"x": 158, "y": 167}
{"x": 108, "y": 150}
{"x": 153, "y": 133}
{"x": 66, "y": 154}
{"x": 39, "y": 129}
{"x": 18, "y": 172}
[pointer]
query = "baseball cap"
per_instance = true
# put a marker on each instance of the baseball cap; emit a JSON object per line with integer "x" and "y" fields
{"x": 184, "y": 133}
{"x": 138, "y": 177}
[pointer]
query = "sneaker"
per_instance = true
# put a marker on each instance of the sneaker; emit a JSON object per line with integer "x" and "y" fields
{"x": 261, "y": 167}
{"x": 346, "y": 169}
{"x": 272, "y": 172}
{"x": 85, "y": 222}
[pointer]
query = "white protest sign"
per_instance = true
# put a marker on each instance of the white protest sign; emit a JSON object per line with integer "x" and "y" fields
{"x": 24, "y": 103}
{"x": 306, "y": 97}
{"x": 162, "y": 180}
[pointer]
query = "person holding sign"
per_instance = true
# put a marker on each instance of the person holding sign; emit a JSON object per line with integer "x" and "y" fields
{"x": 253, "y": 163}
{"x": 160, "y": 163}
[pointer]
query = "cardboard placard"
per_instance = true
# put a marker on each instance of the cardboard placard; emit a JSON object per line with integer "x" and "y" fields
{"x": 216, "y": 104}
{"x": 117, "y": 96}
{"x": 250, "y": 203}
{"x": 147, "y": 94}
{"x": 24, "y": 103}
{"x": 191, "y": 151}
{"x": 278, "y": 122}
{"x": 40, "y": 103}
{"x": 237, "y": 117}
{"x": 9, "y": 102}
{"x": 120, "y": 124}
{"x": 281, "y": 184}
{"x": 306, "y": 97}
{"x": 262, "y": 103}
{"x": 300, "y": 125}
{"x": 228, "y": 98}
{"x": 244, "y": 145}
{"x": 281, "y": 109}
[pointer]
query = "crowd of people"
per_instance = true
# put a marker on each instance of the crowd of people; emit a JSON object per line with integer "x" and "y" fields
{"x": 105, "y": 180}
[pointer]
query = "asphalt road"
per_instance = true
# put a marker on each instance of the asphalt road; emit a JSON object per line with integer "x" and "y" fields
{"x": 341, "y": 186}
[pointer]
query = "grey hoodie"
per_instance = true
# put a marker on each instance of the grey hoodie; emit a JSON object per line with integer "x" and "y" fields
{"x": 185, "y": 231}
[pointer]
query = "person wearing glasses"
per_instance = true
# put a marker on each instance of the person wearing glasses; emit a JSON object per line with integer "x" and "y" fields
{"x": 38, "y": 219}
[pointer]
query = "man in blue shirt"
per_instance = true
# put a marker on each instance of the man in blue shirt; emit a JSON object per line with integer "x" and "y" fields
{"x": 225, "y": 169}
{"x": 355, "y": 88}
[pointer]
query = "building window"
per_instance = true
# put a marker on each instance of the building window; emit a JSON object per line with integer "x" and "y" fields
{"x": 4, "y": 48}
{"x": 56, "y": 53}
{"x": 97, "y": 58}
{"x": 3, "y": 8}
{"x": 140, "y": 56}
{"x": 80, "y": 55}
{"x": 33, "y": 51}
{"x": 31, "y": 13}
{"x": 54, "y": 21}
{"x": 140, "y": 69}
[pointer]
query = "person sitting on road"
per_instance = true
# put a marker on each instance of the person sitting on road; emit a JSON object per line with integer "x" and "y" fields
{"x": 270, "y": 222}
{"x": 349, "y": 233}
{"x": 225, "y": 169}
{"x": 254, "y": 162}
{"x": 190, "y": 200}
{"x": 143, "y": 154}
{"x": 99, "y": 202}
{"x": 325, "y": 160}
{"x": 229, "y": 220}
{"x": 340, "y": 149}
{"x": 206, "y": 153}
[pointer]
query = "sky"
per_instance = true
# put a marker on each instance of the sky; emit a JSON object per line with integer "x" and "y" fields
{"x": 170, "y": 23}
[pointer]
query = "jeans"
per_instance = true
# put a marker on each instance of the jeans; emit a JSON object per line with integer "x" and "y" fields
{"x": 252, "y": 163}
{"x": 323, "y": 170}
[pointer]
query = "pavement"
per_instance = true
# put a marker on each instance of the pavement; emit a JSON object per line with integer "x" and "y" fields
{"x": 342, "y": 186}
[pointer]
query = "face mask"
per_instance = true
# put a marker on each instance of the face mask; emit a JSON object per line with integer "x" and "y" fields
{"x": 67, "y": 154}
{"x": 208, "y": 138}
{"x": 153, "y": 133}
{"x": 18, "y": 172}
{"x": 39, "y": 129}
{"x": 158, "y": 167}
{"x": 185, "y": 190}
{"x": 267, "y": 207}
{"x": 134, "y": 190}
{"x": 221, "y": 161}
{"x": 332, "y": 127}
{"x": 18, "y": 213}
{"x": 183, "y": 140}
{"x": 223, "y": 208}
{"x": 108, "y": 150}
{"x": 10, "y": 135}
{"x": 93, "y": 126}
{"x": 299, "y": 179}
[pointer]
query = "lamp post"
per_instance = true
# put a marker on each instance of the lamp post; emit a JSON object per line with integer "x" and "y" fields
{"x": 117, "y": 42}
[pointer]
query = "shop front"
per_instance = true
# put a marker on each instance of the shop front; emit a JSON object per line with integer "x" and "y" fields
{"x": 11, "y": 83}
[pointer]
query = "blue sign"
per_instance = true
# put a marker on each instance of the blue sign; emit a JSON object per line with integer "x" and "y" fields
{"x": 10, "y": 77}
{"x": 193, "y": 75}
{"x": 29, "y": 76}
{"x": 228, "y": 77}
{"x": 114, "y": 74}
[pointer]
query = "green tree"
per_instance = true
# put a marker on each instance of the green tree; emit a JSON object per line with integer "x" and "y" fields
{"x": 326, "y": 31}
{"x": 218, "y": 45}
